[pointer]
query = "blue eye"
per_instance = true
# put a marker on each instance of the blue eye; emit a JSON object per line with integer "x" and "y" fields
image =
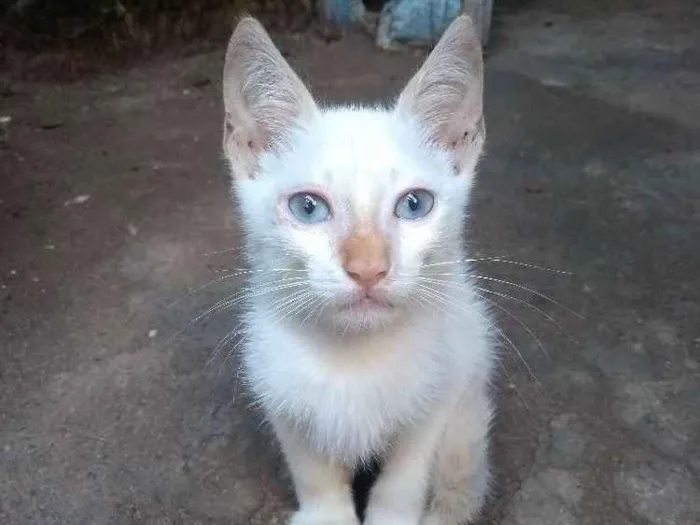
{"x": 414, "y": 205}
{"x": 309, "y": 208}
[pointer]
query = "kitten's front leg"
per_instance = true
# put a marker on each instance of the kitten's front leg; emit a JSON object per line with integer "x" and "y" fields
{"x": 399, "y": 495}
{"x": 322, "y": 486}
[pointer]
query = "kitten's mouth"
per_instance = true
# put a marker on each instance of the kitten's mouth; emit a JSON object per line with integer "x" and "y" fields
{"x": 369, "y": 301}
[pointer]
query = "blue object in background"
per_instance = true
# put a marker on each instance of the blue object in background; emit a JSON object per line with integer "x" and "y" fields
{"x": 418, "y": 22}
{"x": 343, "y": 13}
{"x": 415, "y": 22}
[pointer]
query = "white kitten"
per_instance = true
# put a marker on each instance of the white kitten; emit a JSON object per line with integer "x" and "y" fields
{"x": 365, "y": 337}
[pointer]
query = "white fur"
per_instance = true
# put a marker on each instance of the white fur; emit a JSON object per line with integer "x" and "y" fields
{"x": 340, "y": 386}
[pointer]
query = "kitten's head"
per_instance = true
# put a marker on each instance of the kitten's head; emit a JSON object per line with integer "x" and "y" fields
{"x": 351, "y": 203}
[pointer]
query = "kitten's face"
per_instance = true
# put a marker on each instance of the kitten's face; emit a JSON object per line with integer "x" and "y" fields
{"x": 357, "y": 204}
{"x": 346, "y": 209}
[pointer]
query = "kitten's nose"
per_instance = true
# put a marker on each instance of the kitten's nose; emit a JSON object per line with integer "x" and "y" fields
{"x": 365, "y": 256}
{"x": 366, "y": 272}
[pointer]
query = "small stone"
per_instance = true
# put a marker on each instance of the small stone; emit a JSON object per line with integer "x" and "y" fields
{"x": 533, "y": 187}
{"x": 152, "y": 333}
{"x": 553, "y": 82}
{"x": 52, "y": 124}
{"x": 200, "y": 82}
{"x": 114, "y": 88}
{"x": 49, "y": 247}
{"x": 133, "y": 230}
{"x": 13, "y": 272}
{"x": 5, "y": 129}
{"x": 78, "y": 199}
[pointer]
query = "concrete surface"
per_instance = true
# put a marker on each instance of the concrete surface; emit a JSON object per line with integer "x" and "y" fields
{"x": 113, "y": 195}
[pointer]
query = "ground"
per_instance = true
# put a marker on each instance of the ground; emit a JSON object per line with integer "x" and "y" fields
{"x": 113, "y": 196}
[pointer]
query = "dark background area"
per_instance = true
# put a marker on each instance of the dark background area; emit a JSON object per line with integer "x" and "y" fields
{"x": 92, "y": 36}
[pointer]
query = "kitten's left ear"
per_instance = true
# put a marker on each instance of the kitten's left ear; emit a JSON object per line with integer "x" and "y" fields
{"x": 264, "y": 99}
{"x": 445, "y": 97}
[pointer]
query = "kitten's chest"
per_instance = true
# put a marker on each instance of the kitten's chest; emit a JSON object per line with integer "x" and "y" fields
{"x": 348, "y": 401}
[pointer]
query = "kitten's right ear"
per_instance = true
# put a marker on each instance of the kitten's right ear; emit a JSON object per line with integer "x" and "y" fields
{"x": 263, "y": 98}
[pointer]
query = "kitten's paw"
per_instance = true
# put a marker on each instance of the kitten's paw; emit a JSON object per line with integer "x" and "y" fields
{"x": 432, "y": 519}
{"x": 392, "y": 518}
{"x": 325, "y": 516}
{"x": 438, "y": 518}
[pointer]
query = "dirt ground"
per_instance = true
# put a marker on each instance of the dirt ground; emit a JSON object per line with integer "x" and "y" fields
{"x": 115, "y": 409}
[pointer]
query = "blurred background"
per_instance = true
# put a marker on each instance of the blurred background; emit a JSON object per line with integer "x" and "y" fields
{"x": 118, "y": 405}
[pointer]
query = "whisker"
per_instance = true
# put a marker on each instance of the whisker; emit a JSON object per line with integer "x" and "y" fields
{"x": 530, "y": 305}
{"x": 221, "y": 252}
{"x": 246, "y": 293}
{"x": 515, "y": 299}
{"x": 219, "y": 280}
{"x": 317, "y": 306}
{"x": 512, "y": 384}
{"x": 347, "y": 327}
{"x": 290, "y": 302}
{"x": 504, "y": 310}
{"x": 508, "y": 283}
{"x": 223, "y": 342}
{"x": 500, "y": 260}
{"x": 229, "y": 354}
{"x": 248, "y": 271}
{"x": 530, "y": 290}
{"x": 520, "y": 322}
{"x": 309, "y": 307}
{"x": 300, "y": 305}
{"x": 323, "y": 306}
{"x": 222, "y": 279}
{"x": 230, "y": 301}
{"x": 449, "y": 300}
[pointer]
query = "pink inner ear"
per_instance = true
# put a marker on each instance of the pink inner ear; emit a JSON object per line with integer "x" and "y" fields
{"x": 254, "y": 138}
{"x": 446, "y": 94}
{"x": 263, "y": 97}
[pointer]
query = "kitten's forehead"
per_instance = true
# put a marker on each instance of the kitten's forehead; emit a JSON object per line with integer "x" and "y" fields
{"x": 363, "y": 154}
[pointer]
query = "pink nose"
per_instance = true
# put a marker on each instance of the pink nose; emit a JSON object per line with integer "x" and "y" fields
{"x": 366, "y": 273}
